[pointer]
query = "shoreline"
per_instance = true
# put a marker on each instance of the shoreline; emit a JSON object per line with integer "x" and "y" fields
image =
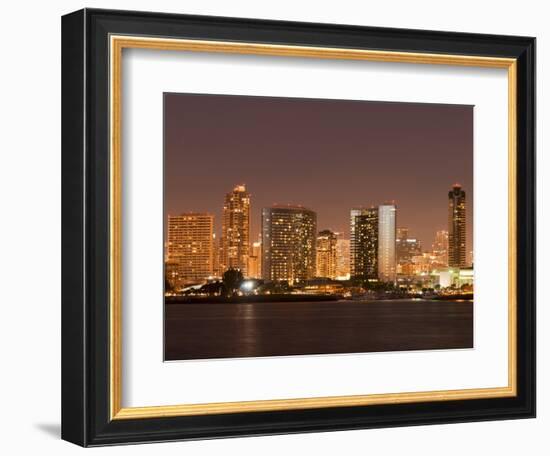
{"x": 250, "y": 299}
{"x": 305, "y": 298}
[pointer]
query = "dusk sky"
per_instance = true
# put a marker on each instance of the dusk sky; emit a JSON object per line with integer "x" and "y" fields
{"x": 327, "y": 155}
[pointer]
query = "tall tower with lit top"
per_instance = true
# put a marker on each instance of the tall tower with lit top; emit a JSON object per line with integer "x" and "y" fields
{"x": 457, "y": 227}
{"x": 235, "y": 239}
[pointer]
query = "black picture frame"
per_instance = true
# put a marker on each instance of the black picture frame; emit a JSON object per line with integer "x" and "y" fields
{"x": 85, "y": 224}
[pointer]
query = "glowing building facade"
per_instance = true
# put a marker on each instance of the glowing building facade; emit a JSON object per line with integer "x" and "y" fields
{"x": 386, "y": 242}
{"x": 440, "y": 247}
{"x": 288, "y": 243}
{"x": 190, "y": 248}
{"x": 342, "y": 257}
{"x": 255, "y": 261}
{"x": 406, "y": 247}
{"x": 326, "y": 254}
{"x": 364, "y": 243}
{"x": 235, "y": 239}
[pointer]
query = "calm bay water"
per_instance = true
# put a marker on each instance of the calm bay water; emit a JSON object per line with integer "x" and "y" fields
{"x": 200, "y": 331}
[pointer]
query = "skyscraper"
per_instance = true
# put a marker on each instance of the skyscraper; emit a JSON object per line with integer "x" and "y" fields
{"x": 386, "y": 242}
{"x": 342, "y": 257}
{"x": 440, "y": 247}
{"x": 255, "y": 261}
{"x": 364, "y": 243}
{"x": 216, "y": 256}
{"x": 191, "y": 246}
{"x": 326, "y": 254}
{"x": 457, "y": 227}
{"x": 235, "y": 240}
{"x": 288, "y": 243}
{"x": 406, "y": 247}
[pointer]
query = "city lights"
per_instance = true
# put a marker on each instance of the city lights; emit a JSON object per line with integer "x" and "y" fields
{"x": 248, "y": 285}
{"x": 292, "y": 257}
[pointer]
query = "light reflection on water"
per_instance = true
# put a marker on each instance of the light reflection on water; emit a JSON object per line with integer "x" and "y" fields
{"x": 251, "y": 339}
{"x": 229, "y": 330}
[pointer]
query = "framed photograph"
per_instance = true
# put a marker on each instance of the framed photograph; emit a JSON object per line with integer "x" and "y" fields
{"x": 277, "y": 227}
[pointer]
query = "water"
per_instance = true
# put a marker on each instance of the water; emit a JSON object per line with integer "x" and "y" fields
{"x": 201, "y": 331}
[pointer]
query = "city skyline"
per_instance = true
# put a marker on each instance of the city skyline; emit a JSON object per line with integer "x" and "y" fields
{"x": 293, "y": 248}
{"x": 304, "y": 226}
{"x": 339, "y": 154}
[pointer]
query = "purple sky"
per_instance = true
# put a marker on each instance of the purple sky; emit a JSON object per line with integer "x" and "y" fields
{"x": 328, "y": 155}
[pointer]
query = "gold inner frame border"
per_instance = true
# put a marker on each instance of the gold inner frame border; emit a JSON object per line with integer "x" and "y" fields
{"x": 116, "y": 46}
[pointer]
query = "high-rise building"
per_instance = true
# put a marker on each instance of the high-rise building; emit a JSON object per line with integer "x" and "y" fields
{"x": 386, "y": 242}
{"x": 406, "y": 247}
{"x": 364, "y": 243}
{"x": 216, "y": 256}
{"x": 235, "y": 240}
{"x": 457, "y": 227}
{"x": 326, "y": 254}
{"x": 288, "y": 243}
{"x": 255, "y": 261}
{"x": 440, "y": 247}
{"x": 342, "y": 257}
{"x": 191, "y": 246}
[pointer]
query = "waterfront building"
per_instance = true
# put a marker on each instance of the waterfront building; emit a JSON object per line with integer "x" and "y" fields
{"x": 322, "y": 286}
{"x": 342, "y": 257}
{"x": 466, "y": 277}
{"x": 171, "y": 275}
{"x": 457, "y": 227}
{"x": 216, "y": 256}
{"x": 440, "y": 247}
{"x": 457, "y": 278}
{"x": 406, "y": 247}
{"x": 407, "y": 269}
{"x": 191, "y": 246}
{"x": 288, "y": 243}
{"x": 255, "y": 261}
{"x": 386, "y": 242}
{"x": 326, "y": 254}
{"x": 235, "y": 239}
{"x": 423, "y": 263}
{"x": 364, "y": 243}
